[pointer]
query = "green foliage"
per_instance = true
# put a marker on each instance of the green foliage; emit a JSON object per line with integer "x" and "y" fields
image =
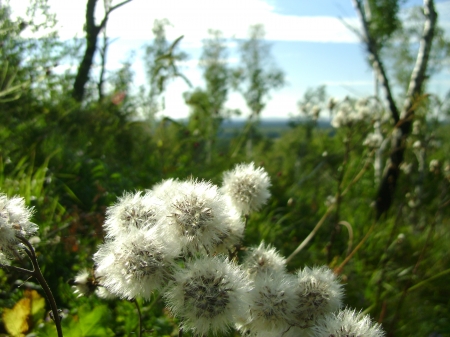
{"x": 71, "y": 161}
{"x": 88, "y": 322}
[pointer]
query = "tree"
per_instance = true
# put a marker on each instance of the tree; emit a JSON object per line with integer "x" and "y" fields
{"x": 161, "y": 62}
{"x": 403, "y": 116}
{"x": 257, "y": 76}
{"x": 92, "y": 32}
{"x": 207, "y": 105}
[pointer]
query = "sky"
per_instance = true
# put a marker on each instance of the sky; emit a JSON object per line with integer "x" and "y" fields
{"x": 310, "y": 43}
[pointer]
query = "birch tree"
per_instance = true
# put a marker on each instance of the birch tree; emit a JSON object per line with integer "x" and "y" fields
{"x": 402, "y": 114}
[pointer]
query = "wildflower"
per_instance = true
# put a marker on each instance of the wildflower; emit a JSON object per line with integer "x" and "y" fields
{"x": 194, "y": 213}
{"x": 208, "y": 295}
{"x": 434, "y": 166}
{"x": 234, "y": 232}
{"x": 247, "y": 187}
{"x": 131, "y": 212}
{"x": 347, "y": 323}
{"x": 104, "y": 293}
{"x": 14, "y": 221}
{"x": 84, "y": 284}
{"x": 264, "y": 260}
{"x": 272, "y": 301}
{"x": 135, "y": 264}
{"x": 317, "y": 292}
{"x": 330, "y": 201}
{"x": 406, "y": 168}
{"x": 416, "y": 127}
{"x": 373, "y": 140}
{"x": 341, "y": 119}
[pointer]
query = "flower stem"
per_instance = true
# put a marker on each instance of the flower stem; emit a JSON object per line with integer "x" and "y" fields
{"x": 311, "y": 235}
{"x": 36, "y": 272}
{"x": 139, "y": 315}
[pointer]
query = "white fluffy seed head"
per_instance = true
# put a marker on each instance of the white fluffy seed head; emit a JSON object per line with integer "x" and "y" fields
{"x": 346, "y": 323}
{"x": 263, "y": 260}
{"x": 247, "y": 187}
{"x": 14, "y": 220}
{"x": 272, "y": 302}
{"x": 234, "y": 232}
{"x": 317, "y": 292}
{"x": 135, "y": 264}
{"x": 83, "y": 283}
{"x": 194, "y": 213}
{"x": 133, "y": 211}
{"x": 373, "y": 140}
{"x": 208, "y": 294}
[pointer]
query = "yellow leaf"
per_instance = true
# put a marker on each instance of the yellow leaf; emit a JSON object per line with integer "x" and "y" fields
{"x": 16, "y": 319}
{"x": 37, "y": 304}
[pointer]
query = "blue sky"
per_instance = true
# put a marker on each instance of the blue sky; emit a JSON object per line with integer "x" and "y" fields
{"x": 309, "y": 42}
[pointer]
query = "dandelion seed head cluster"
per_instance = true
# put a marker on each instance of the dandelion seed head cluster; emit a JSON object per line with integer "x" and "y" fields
{"x": 349, "y": 114}
{"x": 183, "y": 238}
{"x": 135, "y": 265}
{"x": 317, "y": 292}
{"x": 14, "y": 221}
{"x": 195, "y": 214}
{"x": 272, "y": 301}
{"x": 208, "y": 294}
{"x": 263, "y": 260}
{"x": 247, "y": 187}
{"x": 347, "y": 323}
{"x": 131, "y": 212}
{"x": 83, "y": 283}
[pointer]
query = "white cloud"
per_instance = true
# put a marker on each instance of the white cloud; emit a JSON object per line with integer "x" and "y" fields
{"x": 193, "y": 18}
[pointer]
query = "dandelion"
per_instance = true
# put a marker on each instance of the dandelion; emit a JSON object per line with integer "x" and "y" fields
{"x": 347, "y": 323}
{"x": 264, "y": 260}
{"x": 317, "y": 292}
{"x": 272, "y": 301}
{"x": 208, "y": 295}
{"x": 195, "y": 214}
{"x": 247, "y": 187}
{"x": 131, "y": 212}
{"x": 135, "y": 265}
{"x": 14, "y": 221}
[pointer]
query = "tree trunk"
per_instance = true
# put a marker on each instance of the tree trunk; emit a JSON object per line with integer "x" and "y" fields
{"x": 92, "y": 32}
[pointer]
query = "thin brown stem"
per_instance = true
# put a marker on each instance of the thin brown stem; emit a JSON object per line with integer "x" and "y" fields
{"x": 338, "y": 270}
{"x": 37, "y": 273}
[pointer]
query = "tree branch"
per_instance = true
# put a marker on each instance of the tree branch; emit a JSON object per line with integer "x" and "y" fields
{"x": 374, "y": 58}
{"x": 105, "y": 19}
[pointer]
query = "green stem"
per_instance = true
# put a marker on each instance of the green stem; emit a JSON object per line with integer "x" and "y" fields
{"x": 140, "y": 316}
{"x": 418, "y": 285}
